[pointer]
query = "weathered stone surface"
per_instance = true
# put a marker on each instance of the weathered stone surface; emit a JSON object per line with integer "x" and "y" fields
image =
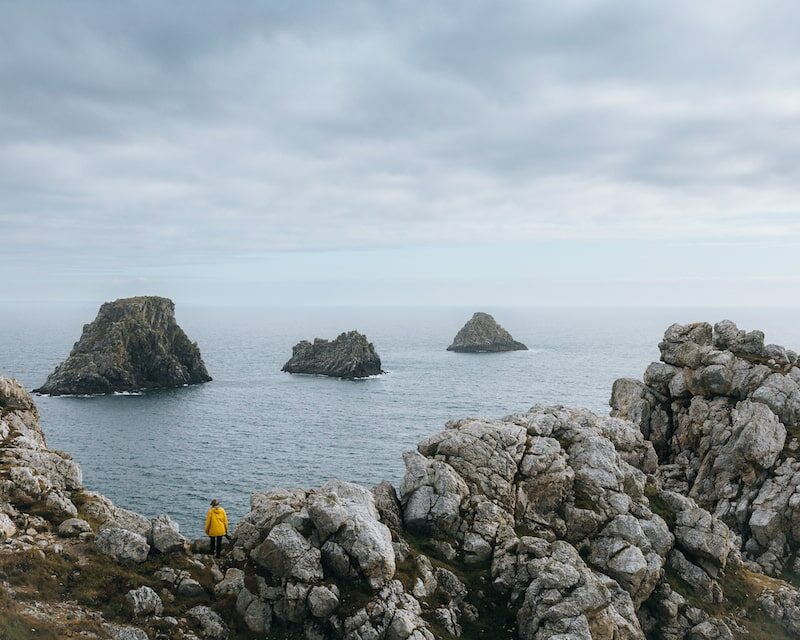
{"x": 724, "y": 434}
{"x": 165, "y": 535}
{"x": 350, "y": 355}
{"x": 287, "y": 554}
{"x": 233, "y": 582}
{"x": 482, "y": 334}
{"x": 209, "y": 624}
{"x": 346, "y": 513}
{"x": 73, "y": 527}
{"x": 123, "y": 545}
{"x": 133, "y": 344}
{"x": 144, "y": 602}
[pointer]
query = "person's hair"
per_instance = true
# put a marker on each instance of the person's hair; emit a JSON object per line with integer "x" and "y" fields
{"x": 214, "y": 502}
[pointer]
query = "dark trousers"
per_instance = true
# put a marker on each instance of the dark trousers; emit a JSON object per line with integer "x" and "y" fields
{"x": 216, "y": 545}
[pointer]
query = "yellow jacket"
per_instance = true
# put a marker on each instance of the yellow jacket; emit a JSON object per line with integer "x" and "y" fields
{"x": 216, "y": 522}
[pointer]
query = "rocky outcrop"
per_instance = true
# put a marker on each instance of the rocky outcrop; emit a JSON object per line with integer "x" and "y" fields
{"x": 550, "y": 524}
{"x": 482, "y": 334}
{"x": 133, "y": 344}
{"x": 722, "y": 410}
{"x": 95, "y": 556}
{"x": 349, "y": 356}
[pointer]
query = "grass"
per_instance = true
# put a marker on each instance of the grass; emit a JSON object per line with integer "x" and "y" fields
{"x": 16, "y": 625}
{"x": 496, "y": 620}
{"x": 741, "y": 588}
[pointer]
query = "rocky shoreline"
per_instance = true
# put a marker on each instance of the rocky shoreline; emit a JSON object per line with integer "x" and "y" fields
{"x": 675, "y": 517}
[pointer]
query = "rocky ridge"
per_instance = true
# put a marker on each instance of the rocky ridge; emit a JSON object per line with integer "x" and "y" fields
{"x": 350, "y": 356}
{"x": 723, "y": 412}
{"x": 551, "y": 524}
{"x": 133, "y": 344}
{"x": 482, "y": 334}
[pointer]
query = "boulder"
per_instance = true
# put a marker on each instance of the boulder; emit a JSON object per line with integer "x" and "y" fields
{"x": 209, "y": 625}
{"x": 287, "y": 554}
{"x": 349, "y": 356}
{"x": 233, "y": 582}
{"x": 73, "y": 527}
{"x": 144, "y": 602}
{"x": 133, "y": 344}
{"x": 123, "y": 545}
{"x": 482, "y": 334}
{"x": 188, "y": 587}
{"x": 165, "y": 535}
{"x": 7, "y": 527}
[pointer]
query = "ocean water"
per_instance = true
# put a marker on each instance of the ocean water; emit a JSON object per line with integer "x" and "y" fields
{"x": 254, "y": 427}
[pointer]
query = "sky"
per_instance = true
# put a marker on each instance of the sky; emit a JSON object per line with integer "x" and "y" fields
{"x": 379, "y": 153}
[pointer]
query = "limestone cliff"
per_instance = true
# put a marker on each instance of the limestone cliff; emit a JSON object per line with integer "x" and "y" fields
{"x": 133, "y": 344}
{"x": 722, "y": 410}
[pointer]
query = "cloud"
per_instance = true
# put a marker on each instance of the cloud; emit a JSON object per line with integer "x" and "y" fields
{"x": 207, "y": 129}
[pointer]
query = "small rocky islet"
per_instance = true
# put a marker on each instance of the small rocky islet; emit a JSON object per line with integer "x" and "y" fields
{"x": 132, "y": 345}
{"x": 482, "y": 334}
{"x": 676, "y": 517}
{"x": 350, "y": 356}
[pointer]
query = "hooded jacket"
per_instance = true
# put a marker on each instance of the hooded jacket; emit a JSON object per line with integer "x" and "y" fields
{"x": 216, "y": 522}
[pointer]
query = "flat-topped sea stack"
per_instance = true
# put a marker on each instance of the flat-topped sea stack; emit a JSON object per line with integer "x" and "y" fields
{"x": 349, "y": 356}
{"x": 132, "y": 345}
{"x": 482, "y": 334}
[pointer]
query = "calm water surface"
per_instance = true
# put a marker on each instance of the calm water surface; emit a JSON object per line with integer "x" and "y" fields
{"x": 254, "y": 427}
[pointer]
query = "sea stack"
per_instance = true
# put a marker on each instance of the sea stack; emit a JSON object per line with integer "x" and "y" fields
{"x": 482, "y": 334}
{"x": 133, "y": 344}
{"x": 349, "y": 356}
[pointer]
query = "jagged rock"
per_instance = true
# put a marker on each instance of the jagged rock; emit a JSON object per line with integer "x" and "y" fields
{"x": 388, "y": 506}
{"x": 345, "y": 513}
{"x": 133, "y": 344}
{"x": 188, "y": 587}
{"x": 73, "y": 527}
{"x": 123, "y": 545}
{"x": 322, "y": 601}
{"x": 783, "y": 605}
{"x": 350, "y": 355}
{"x": 165, "y": 535}
{"x": 393, "y": 615}
{"x": 120, "y": 632}
{"x": 144, "y": 602}
{"x": 720, "y": 409}
{"x": 287, "y": 554}
{"x": 7, "y": 527}
{"x": 210, "y": 625}
{"x": 233, "y": 582}
{"x": 129, "y": 520}
{"x": 482, "y": 334}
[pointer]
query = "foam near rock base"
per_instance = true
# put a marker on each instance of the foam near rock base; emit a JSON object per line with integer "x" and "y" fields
{"x": 656, "y": 522}
{"x": 349, "y": 356}
{"x": 133, "y": 344}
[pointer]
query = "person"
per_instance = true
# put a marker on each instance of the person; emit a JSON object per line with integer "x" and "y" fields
{"x": 216, "y": 526}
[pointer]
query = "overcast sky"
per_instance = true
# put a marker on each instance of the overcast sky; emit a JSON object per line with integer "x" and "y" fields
{"x": 401, "y": 152}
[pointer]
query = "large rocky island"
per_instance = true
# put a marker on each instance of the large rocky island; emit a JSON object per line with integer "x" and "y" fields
{"x": 675, "y": 518}
{"x": 133, "y": 344}
{"x": 482, "y": 334}
{"x": 348, "y": 356}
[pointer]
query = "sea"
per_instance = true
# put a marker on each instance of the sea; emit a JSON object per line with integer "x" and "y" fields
{"x": 254, "y": 427}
